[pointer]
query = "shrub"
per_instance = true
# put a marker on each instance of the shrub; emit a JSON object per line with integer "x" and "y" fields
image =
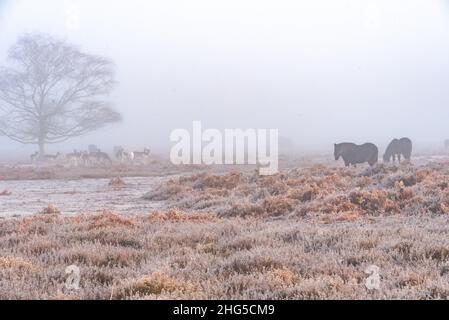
{"x": 51, "y": 209}
{"x": 179, "y": 216}
{"x": 16, "y": 263}
{"x": 374, "y": 201}
{"x": 164, "y": 192}
{"x": 155, "y": 284}
{"x": 275, "y": 206}
{"x": 116, "y": 182}
{"x": 108, "y": 219}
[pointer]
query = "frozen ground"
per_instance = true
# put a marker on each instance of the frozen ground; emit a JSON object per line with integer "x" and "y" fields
{"x": 77, "y": 196}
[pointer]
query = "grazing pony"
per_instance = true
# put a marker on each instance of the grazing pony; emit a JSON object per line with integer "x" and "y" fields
{"x": 397, "y": 148}
{"x": 354, "y": 154}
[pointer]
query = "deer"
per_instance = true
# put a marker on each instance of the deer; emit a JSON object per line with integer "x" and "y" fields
{"x": 34, "y": 157}
{"x": 52, "y": 157}
{"x": 125, "y": 156}
{"x": 98, "y": 156}
{"x": 74, "y": 158}
{"x": 142, "y": 156}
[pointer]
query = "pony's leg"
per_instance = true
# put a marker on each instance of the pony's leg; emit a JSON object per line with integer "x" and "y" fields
{"x": 399, "y": 158}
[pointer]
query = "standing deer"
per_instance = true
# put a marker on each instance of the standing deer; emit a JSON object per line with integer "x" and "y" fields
{"x": 52, "y": 157}
{"x": 34, "y": 157}
{"x": 99, "y": 157}
{"x": 74, "y": 158}
{"x": 124, "y": 156}
{"x": 142, "y": 157}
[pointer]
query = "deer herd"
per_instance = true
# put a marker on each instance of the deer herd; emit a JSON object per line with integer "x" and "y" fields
{"x": 94, "y": 157}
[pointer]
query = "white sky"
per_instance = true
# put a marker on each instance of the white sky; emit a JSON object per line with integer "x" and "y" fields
{"x": 321, "y": 71}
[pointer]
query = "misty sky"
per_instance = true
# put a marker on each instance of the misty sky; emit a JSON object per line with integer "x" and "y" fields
{"x": 320, "y": 71}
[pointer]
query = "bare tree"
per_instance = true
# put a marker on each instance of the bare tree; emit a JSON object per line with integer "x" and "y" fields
{"x": 52, "y": 91}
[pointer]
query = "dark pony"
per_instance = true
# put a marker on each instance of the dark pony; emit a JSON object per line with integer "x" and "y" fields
{"x": 354, "y": 154}
{"x": 397, "y": 148}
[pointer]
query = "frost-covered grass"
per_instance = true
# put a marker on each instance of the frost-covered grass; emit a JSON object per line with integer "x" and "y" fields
{"x": 199, "y": 256}
{"x": 331, "y": 193}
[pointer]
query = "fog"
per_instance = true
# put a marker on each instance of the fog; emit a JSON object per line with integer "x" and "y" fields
{"x": 319, "y": 71}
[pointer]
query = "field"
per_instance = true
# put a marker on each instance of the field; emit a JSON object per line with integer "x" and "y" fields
{"x": 161, "y": 232}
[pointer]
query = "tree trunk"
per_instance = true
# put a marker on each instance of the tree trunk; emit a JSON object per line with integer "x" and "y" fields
{"x": 41, "y": 148}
